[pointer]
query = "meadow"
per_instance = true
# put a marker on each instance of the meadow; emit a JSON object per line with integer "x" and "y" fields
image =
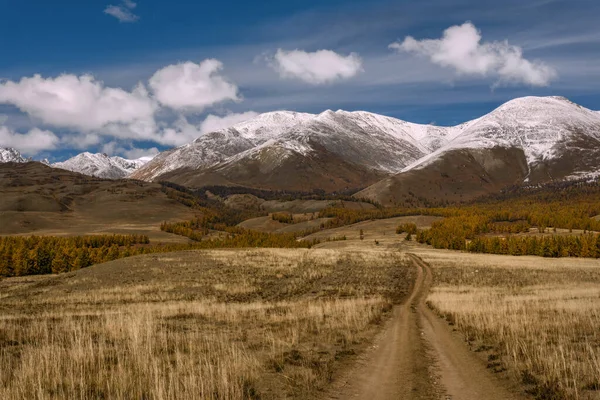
{"x": 534, "y": 319}
{"x": 214, "y": 324}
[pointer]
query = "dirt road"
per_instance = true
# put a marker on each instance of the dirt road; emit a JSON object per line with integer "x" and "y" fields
{"x": 417, "y": 357}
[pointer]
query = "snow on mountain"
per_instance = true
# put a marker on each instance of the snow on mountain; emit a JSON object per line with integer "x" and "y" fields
{"x": 377, "y": 142}
{"x": 540, "y": 126}
{"x": 215, "y": 147}
{"x": 544, "y": 128}
{"x": 101, "y": 165}
{"x": 8, "y": 154}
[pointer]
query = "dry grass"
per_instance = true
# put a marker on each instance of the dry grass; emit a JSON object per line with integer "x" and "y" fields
{"x": 539, "y": 319}
{"x": 223, "y": 324}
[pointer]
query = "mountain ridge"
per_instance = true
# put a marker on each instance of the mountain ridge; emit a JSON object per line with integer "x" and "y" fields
{"x": 101, "y": 165}
{"x": 374, "y": 143}
{"x": 551, "y": 137}
{"x": 381, "y": 144}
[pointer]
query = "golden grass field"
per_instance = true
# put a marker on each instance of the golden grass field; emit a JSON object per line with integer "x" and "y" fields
{"x": 226, "y": 324}
{"x": 536, "y": 318}
{"x": 283, "y": 323}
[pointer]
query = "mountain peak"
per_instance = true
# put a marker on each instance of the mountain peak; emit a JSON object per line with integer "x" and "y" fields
{"x": 9, "y": 154}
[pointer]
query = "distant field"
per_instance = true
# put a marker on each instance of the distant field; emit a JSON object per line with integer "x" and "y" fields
{"x": 309, "y": 206}
{"x": 383, "y": 229}
{"x": 267, "y": 224}
{"x": 66, "y": 226}
{"x": 227, "y": 324}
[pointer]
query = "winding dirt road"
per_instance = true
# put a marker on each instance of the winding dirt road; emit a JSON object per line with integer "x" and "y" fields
{"x": 417, "y": 357}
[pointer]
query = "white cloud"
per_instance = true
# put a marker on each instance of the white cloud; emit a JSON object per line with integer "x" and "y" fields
{"x": 214, "y": 123}
{"x": 87, "y": 110}
{"x": 183, "y": 132}
{"x": 179, "y": 133}
{"x": 128, "y": 151}
{"x": 30, "y": 143}
{"x": 134, "y": 153}
{"x": 319, "y": 67}
{"x": 461, "y": 48}
{"x": 192, "y": 87}
{"x": 78, "y": 102}
{"x": 123, "y": 12}
{"x": 80, "y": 141}
{"x": 109, "y": 148}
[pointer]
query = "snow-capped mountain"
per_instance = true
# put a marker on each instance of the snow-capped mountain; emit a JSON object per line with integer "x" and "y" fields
{"x": 101, "y": 165}
{"x": 542, "y": 137}
{"x": 537, "y": 125}
{"x": 8, "y": 154}
{"x": 530, "y": 139}
{"x": 382, "y": 144}
{"x": 215, "y": 147}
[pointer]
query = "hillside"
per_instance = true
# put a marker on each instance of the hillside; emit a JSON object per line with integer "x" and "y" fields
{"x": 35, "y": 198}
{"x": 528, "y": 140}
{"x": 287, "y": 150}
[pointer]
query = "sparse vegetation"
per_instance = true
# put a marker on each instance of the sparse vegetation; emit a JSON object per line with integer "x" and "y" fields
{"x": 283, "y": 217}
{"x": 409, "y": 227}
{"x": 234, "y": 236}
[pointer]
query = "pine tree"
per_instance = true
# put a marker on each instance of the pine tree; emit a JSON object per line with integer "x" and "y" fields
{"x": 60, "y": 263}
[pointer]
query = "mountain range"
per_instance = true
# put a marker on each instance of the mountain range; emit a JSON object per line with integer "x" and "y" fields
{"x": 101, "y": 165}
{"x": 526, "y": 140}
{"x": 97, "y": 165}
{"x": 286, "y": 150}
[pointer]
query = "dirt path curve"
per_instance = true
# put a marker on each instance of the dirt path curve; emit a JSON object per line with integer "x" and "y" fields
{"x": 412, "y": 344}
{"x": 396, "y": 367}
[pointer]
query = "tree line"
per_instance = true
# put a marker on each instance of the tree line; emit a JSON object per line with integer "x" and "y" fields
{"x": 570, "y": 206}
{"x": 33, "y": 255}
{"x": 584, "y": 245}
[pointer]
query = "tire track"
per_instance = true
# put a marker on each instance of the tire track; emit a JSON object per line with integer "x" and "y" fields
{"x": 416, "y": 357}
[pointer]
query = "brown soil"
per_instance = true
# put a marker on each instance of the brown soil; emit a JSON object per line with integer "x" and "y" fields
{"x": 267, "y": 224}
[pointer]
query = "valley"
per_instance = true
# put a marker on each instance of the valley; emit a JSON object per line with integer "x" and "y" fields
{"x": 300, "y": 200}
{"x": 371, "y": 316}
{"x": 37, "y": 199}
{"x": 329, "y": 256}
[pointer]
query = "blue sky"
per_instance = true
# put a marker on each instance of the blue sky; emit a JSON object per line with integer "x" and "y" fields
{"x": 265, "y": 56}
